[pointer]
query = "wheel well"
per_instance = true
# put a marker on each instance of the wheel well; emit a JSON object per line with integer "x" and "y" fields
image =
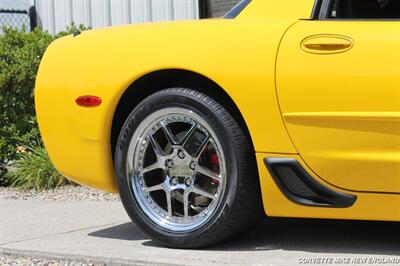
{"x": 163, "y": 79}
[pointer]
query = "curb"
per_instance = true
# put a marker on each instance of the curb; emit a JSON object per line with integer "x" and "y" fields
{"x": 78, "y": 258}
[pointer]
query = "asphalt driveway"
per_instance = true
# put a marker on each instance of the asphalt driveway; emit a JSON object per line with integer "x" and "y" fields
{"x": 101, "y": 232}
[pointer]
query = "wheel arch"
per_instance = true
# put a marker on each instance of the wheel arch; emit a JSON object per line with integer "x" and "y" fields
{"x": 168, "y": 78}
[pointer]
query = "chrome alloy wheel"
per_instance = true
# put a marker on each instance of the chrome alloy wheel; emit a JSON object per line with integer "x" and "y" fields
{"x": 176, "y": 169}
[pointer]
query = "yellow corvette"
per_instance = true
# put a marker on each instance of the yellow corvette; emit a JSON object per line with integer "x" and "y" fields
{"x": 286, "y": 108}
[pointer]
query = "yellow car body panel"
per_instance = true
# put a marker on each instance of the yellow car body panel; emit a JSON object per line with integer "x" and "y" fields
{"x": 368, "y": 206}
{"x": 343, "y": 109}
{"x": 240, "y": 55}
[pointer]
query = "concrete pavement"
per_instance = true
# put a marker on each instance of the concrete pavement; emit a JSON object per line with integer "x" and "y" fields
{"x": 102, "y": 232}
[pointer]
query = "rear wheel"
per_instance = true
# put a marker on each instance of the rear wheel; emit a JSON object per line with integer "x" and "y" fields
{"x": 185, "y": 170}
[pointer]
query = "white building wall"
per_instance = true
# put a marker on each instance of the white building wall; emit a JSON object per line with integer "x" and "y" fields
{"x": 55, "y": 15}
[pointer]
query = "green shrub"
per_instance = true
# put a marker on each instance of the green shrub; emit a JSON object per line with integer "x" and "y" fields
{"x": 20, "y": 55}
{"x": 34, "y": 170}
{"x": 4, "y": 178}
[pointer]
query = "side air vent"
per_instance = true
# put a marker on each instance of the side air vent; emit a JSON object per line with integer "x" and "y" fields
{"x": 301, "y": 188}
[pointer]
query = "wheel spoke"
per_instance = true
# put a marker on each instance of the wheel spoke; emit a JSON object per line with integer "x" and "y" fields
{"x": 204, "y": 171}
{"x": 186, "y": 204}
{"x": 169, "y": 203}
{"x": 150, "y": 168}
{"x": 202, "y": 147}
{"x": 168, "y": 134}
{"x": 188, "y": 135}
{"x": 154, "y": 188}
{"x": 156, "y": 147}
{"x": 202, "y": 193}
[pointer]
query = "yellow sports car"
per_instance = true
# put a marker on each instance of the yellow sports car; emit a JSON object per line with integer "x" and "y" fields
{"x": 287, "y": 108}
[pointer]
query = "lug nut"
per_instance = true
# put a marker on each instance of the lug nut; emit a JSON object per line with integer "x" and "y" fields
{"x": 188, "y": 182}
{"x": 192, "y": 165}
{"x": 181, "y": 154}
{"x": 169, "y": 163}
{"x": 174, "y": 181}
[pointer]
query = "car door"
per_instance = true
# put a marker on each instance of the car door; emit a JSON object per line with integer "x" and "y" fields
{"x": 338, "y": 84}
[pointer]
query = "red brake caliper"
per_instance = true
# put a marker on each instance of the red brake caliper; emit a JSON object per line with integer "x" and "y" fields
{"x": 215, "y": 162}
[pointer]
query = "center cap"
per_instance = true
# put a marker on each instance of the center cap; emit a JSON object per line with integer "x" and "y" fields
{"x": 181, "y": 170}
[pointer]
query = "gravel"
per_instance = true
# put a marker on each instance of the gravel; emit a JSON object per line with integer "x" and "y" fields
{"x": 20, "y": 261}
{"x": 64, "y": 193}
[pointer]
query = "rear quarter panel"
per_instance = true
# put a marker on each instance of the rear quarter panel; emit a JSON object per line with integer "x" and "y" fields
{"x": 239, "y": 55}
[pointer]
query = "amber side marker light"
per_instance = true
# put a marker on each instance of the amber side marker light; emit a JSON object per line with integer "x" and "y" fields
{"x": 88, "y": 101}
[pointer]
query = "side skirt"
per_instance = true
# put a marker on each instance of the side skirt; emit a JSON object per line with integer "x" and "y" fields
{"x": 301, "y": 188}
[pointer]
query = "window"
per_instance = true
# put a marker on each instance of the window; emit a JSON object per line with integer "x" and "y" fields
{"x": 361, "y": 9}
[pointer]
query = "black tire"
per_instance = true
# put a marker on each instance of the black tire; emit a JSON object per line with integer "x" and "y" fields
{"x": 240, "y": 208}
